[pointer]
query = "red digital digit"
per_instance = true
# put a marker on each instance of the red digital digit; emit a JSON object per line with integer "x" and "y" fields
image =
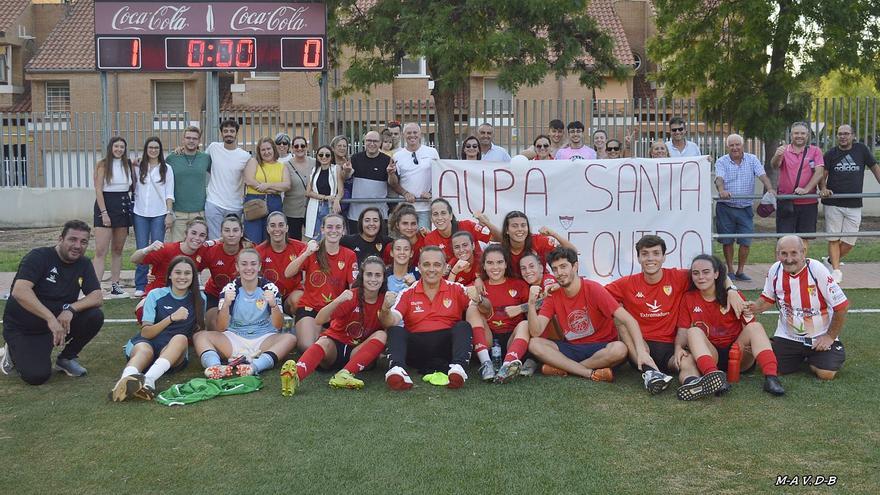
{"x": 196, "y": 51}
{"x": 244, "y": 53}
{"x": 224, "y": 53}
{"x": 312, "y": 53}
{"x": 135, "y": 52}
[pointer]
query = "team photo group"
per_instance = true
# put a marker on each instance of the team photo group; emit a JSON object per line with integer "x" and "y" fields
{"x": 374, "y": 270}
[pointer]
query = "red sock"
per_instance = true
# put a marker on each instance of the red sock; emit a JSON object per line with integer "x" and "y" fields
{"x": 309, "y": 361}
{"x": 365, "y": 356}
{"x": 767, "y": 361}
{"x": 479, "y": 340}
{"x": 516, "y": 350}
{"x": 706, "y": 364}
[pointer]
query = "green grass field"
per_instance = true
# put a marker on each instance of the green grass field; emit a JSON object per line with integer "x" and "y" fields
{"x": 536, "y": 435}
{"x": 764, "y": 251}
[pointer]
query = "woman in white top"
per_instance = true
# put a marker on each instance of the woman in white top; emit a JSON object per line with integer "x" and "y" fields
{"x": 324, "y": 191}
{"x": 153, "y": 201}
{"x": 112, "y": 211}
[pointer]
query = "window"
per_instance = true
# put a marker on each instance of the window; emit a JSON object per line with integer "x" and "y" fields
{"x": 495, "y": 95}
{"x": 266, "y": 75}
{"x": 5, "y": 63}
{"x": 168, "y": 97}
{"x": 57, "y": 96}
{"x": 413, "y": 67}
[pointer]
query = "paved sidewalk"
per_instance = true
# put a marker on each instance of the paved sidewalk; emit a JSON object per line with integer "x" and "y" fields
{"x": 855, "y": 276}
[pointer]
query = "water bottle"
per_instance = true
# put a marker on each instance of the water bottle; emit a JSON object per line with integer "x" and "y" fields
{"x": 496, "y": 354}
{"x": 733, "y": 359}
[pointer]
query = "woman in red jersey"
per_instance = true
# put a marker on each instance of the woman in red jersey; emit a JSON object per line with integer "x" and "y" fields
{"x": 517, "y": 238}
{"x": 506, "y": 293}
{"x": 404, "y": 222}
{"x": 220, "y": 259}
{"x": 328, "y": 269}
{"x": 355, "y": 337}
{"x": 445, "y": 224}
{"x": 158, "y": 255}
{"x": 276, "y": 253}
{"x": 712, "y": 330}
{"x": 464, "y": 265}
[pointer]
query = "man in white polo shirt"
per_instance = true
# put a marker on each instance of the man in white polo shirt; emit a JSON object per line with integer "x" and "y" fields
{"x": 410, "y": 172}
{"x": 490, "y": 151}
{"x": 678, "y": 145}
{"x": 226, "y": 187}
{"x": 812, "y": 310}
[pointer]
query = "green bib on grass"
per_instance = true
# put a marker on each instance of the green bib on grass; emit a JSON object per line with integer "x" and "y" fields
{"x": 199, "y": 389}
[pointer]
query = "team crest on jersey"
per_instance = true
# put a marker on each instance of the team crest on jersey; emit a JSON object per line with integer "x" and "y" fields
{"x": 290, "y": 257}
{"x": 198, "y": 259}
{"x": 261, "y": 303}
{"x": 667, "y": 289}
{"x": 566, "y": 221}
{"x": 341, "y": 265}
{"x": 447, "y": 303}
{"x": 484, "y": 230}
{"x": 79, "y": 281}
{"x": 512, "y": 292}
{"x": 812, "y": 289}
{"x": 378, "y": 246}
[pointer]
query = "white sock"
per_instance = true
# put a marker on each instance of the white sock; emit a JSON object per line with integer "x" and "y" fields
{"x": 483, "y": 356}
{"x": 156, "y": 370}
{"x": 129, "y": 370}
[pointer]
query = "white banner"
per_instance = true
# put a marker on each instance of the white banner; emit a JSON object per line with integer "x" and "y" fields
{"x": 602, "y": 206}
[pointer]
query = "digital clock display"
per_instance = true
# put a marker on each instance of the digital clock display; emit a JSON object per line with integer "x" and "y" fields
{"x": 302, "y": 53}
{"x": 211, "y": 53}
{"x": 119, "y": 53}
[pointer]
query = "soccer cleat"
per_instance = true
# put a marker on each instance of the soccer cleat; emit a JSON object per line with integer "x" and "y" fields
{"x": 508, "y": 371}
{"x": 457, "y": 376}
{"x": 344, "y": 379}
{"x": 397, "y": 379}
{"x": 218, "y": 371}
{"x": 487, "y": 371}
{"x": 245, "y": 370}
{"x": 289, "y": 378}
{"x": 70, "y": 367}
{"x": 6, "y": 366}
{"x": 126, "y": 387}
{"x": 656, "y": 381}
{"x": 773, "y": 386}
{"x": 703, "y": 386}
{"x": 602, "y": 375}
{"x": 529, "y": 367}
{"x": 552, "y": 371}
{"x": 146, "y": 393}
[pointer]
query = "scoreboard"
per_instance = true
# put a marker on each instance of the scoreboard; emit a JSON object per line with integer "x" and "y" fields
{"x": 265, "y": 36}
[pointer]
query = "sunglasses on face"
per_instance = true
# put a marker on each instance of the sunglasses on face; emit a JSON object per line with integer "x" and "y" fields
{"x": 299, "y": 146}
{"x": 323, "y": 155}
{"x": 615, "y": 148}
{"x": 471, "y": 146}
{"x": 542, "y": 146}
{"x": 282, "y": 143}
{"x": 677, "y": 129}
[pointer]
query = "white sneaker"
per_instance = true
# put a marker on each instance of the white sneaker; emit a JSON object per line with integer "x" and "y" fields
{"x": 139, "y": 293}
{"x": 837, "y": 275}
{"x": 529, "y": 367}
{"x": 398, "y": 379}
{"x": 457, "y": 376}
{"x": 6, "y": 366}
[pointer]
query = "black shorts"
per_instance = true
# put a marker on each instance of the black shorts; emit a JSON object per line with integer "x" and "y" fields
{"x": 724, "y": 359}
{"x": 662, "y": 353}
{"x": 791, "y": 354}
{"x": 119, "y": 209}
{"x": 802, "y": 221}
{"x": 305, "y": 313}
{"x": 211, "y": 301}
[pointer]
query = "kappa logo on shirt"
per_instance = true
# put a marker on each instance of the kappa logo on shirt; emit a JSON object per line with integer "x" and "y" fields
{"x": 357, "y": 249}
{"x": 219, "y": 263}
{"x": 268, "y": 259}
{"x": 167, "y": 307}
{"x": 698, "y": 309}
{"x": 639, "y": 295}
{"x": 54, "y": 270}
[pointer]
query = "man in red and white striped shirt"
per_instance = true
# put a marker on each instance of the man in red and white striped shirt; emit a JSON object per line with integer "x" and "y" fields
{"x": 812, "y": 309}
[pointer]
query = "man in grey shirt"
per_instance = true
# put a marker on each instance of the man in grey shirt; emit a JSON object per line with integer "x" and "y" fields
{"x": 369, "y": 170}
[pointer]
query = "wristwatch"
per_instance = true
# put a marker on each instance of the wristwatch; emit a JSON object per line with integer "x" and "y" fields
{"x": 68, "y": 307}
{"x": 732, "y": 287}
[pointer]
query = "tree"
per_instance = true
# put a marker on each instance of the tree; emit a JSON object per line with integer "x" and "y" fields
{"x": 523, "y": 40}
{"x": 748, "y": 60}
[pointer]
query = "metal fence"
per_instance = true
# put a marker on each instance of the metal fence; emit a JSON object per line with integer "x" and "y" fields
{"x": 60, "y": 150}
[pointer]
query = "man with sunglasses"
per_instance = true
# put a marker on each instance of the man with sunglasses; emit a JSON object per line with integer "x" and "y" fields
{"x": 576, "y": 149}
{"x": 190, "y": 168}
{"x": 369, "y": 179}
{"x": 409, "y": 173}
{"x": 678, "y": 145}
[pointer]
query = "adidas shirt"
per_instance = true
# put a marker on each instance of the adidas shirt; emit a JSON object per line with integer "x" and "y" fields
{"x": 806, "y": 300}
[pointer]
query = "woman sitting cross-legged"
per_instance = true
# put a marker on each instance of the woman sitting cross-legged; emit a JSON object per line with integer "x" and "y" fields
{"x": 249, "y": 319}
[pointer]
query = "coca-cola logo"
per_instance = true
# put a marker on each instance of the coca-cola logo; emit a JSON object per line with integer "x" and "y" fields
{"x": 164, "y": 18}
{"x": 280, "y": 20}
